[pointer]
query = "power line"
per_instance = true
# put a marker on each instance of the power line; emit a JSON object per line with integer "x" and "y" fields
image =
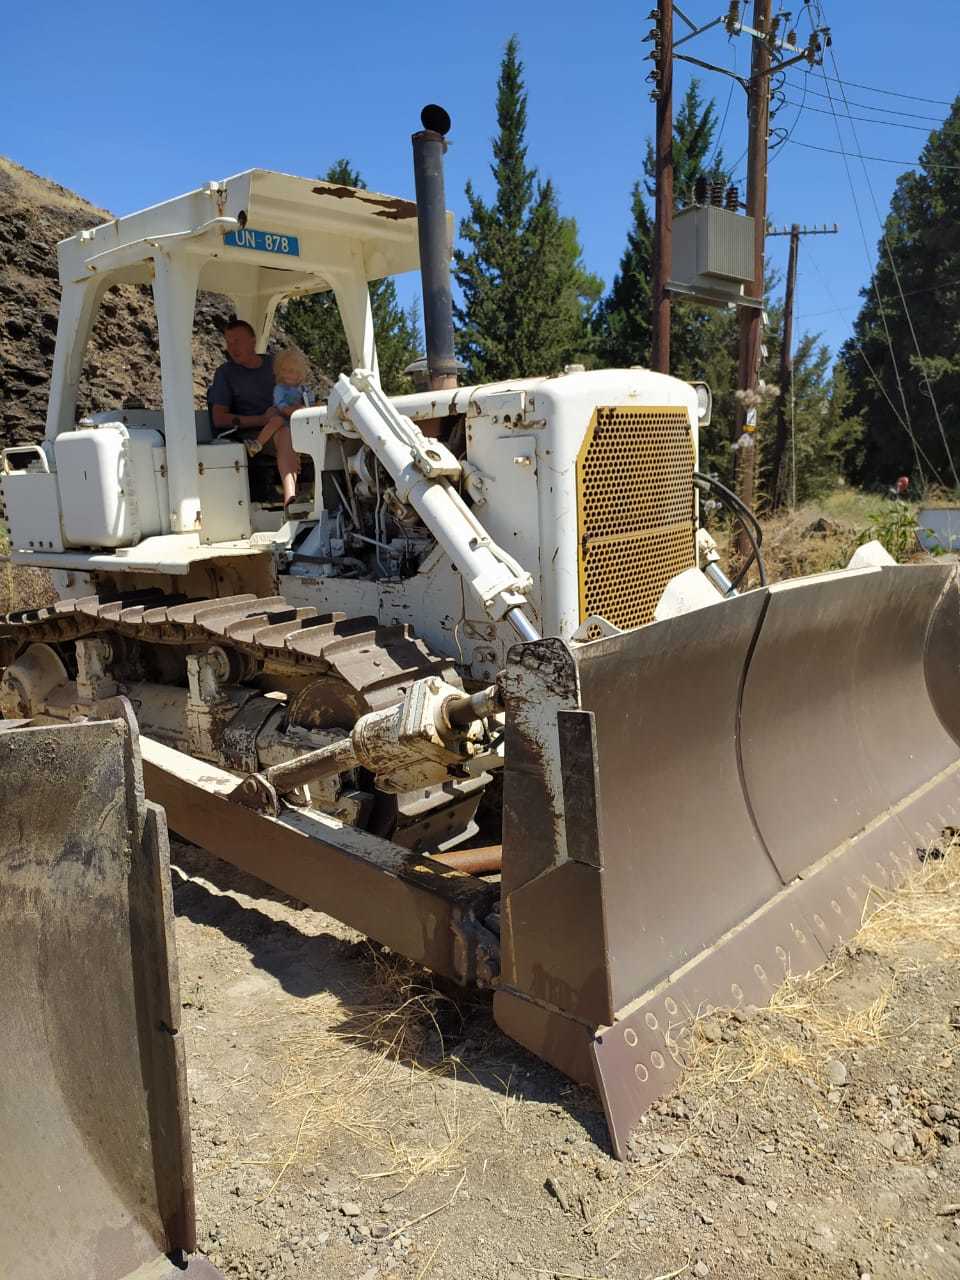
{"x": 918, "y": 452}
{"x": 896, "y": 275}
{"x": 905, "y": 420}
{"x": 906, "y": 164}
{"x": 890, "y": 111}
{"x": 891, "y": 93}
{"x": 910, "y": 293}
{"x": 890, "y": 124}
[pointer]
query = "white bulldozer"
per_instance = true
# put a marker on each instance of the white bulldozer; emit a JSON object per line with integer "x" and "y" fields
{"x": 487, "y": 694}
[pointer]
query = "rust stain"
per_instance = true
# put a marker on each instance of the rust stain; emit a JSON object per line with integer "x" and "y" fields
{"x": 391, "y": 207}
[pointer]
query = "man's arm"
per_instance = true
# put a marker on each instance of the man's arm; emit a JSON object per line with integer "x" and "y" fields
{"x": 223, "y": 419}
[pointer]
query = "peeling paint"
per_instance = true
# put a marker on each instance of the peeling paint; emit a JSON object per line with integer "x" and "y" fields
{"x": 391, "y": 207}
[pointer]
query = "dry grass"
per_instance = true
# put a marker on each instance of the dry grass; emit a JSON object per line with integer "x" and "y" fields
{"x": 816, "y": 537}
{"x": 20, "y": 587}
{"x": 360, "y": 1070}
{"x": 805, "y": 1025}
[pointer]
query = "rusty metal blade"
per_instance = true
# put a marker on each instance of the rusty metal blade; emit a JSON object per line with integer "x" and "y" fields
{"x": 96, "y": 1176}
{"x": 695, "y": 809}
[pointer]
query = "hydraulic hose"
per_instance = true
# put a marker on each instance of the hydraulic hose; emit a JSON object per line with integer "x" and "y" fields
{"x": 749, "y": 522}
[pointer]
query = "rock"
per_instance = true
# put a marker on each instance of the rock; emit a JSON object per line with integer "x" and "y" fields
{"x": 772, "y": 1206}
{"x": 705, "y": 1218}
{"x": 379, "y": 1230}
{"x": 887, "y": 1203}
{"x": 937, "y": 1113}
{"x": 745, "y": 1178}
{"x": 350, "y": 1209}
{"x": 902, "y": 1147}
{"x": 836, "y": 1073}
{"x": 700, "y": 1269}
{"x": 821, "y": 1239}
{"x": 948, "y": 1210}
{"x": 863, "y": 1268}
{"x": 949, "y": 1134}
{"x": 557, "y": 1191}
{"x": 668, "y": 1149}
{"x": 923, "y": 1139}
{"x": 711, "y": 1030}
{"x": 834, "y": 1097}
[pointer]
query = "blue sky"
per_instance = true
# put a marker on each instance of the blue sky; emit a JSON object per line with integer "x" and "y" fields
{"x": 130, "y": 104}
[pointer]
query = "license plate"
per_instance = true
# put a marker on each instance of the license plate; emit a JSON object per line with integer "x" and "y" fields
{"x": 263, "y": 241}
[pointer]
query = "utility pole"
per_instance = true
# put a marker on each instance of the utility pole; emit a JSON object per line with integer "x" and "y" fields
{"x": 778, "y": 471}
{"x": 663, "y": 198}
{"x": 772, "y": 52}
{"x": 751, "y": 318}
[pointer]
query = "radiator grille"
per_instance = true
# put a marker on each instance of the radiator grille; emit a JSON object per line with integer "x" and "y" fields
{"x": 635, "y": 510}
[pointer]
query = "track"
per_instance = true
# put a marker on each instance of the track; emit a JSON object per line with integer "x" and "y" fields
{"x": 333, "y": 669}
{"x": 377, "y": 662}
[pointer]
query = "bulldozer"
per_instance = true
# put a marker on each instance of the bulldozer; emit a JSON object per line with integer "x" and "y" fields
{"x": 487, "y": 693}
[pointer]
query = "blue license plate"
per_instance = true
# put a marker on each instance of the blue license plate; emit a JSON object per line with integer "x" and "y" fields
{"x": 263, "y": 241}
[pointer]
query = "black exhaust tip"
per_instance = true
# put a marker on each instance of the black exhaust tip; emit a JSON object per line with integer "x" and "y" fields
{"x": 435, "y": 119}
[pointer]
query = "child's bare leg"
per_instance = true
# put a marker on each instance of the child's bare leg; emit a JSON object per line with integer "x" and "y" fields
{"x": 288, "y": 463}
{"x": 271, "y": 428}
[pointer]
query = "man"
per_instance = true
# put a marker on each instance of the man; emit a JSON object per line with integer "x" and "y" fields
{"x": 241, "y": 397}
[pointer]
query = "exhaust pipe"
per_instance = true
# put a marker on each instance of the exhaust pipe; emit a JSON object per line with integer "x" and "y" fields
{"x": 428, "y": 150}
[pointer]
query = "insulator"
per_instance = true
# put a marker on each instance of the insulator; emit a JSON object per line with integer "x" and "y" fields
{"x": 732, "y": 198}
{"x": 716, "y": 193}
{"x": 652, "y": 34}
{"x": 700, "y": 190}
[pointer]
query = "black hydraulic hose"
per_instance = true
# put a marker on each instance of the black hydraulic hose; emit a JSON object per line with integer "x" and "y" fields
{"x": 751, "y": 525}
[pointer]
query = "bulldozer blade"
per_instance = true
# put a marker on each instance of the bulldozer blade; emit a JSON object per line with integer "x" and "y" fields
{"x": 698, "y": 808}
{"x": 96, "y": 1176}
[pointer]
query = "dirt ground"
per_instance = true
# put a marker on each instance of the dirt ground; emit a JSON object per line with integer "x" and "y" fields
{"x": 351, "y": 1119}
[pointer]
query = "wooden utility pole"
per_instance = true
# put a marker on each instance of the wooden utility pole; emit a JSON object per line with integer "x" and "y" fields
{"x": 751, "y": 318}
{"x": 778, "y": 472}
{"x": 663, "y": 198}
{"x": 778, "y": 469}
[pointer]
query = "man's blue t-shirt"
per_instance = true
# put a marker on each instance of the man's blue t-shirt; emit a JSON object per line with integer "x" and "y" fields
{"x": 241, "y": 390}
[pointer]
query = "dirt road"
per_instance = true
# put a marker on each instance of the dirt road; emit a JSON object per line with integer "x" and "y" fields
{"x": 353, "y": 1120}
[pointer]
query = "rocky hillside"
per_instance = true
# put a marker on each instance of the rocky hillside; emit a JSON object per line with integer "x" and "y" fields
{"x": 123, "y": 359}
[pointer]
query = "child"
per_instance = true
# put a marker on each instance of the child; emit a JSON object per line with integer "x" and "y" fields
{"x": 289, "y": 370}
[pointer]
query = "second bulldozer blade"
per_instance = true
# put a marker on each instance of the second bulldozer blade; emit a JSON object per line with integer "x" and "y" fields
{"x": 96, "y": 1180}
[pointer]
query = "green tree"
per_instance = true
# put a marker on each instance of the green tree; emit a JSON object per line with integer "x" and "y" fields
{"x": 314, "y": 322}
{"x": 525, "y": 295}
{"x": 823, "y": 426}
{"x": 921, "y": 240}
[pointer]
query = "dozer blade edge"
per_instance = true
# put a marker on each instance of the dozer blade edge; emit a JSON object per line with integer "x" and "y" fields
{"x": 696, "y": 809}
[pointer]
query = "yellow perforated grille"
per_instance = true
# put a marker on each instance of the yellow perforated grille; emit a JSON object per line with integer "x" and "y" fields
{"x": 635, "y": 507}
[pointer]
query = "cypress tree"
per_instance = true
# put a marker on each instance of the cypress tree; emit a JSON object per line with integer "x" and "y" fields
{"x": 314, "y": 322}
{"x": 922, "y": 237}
{"x": 525, "y": 295}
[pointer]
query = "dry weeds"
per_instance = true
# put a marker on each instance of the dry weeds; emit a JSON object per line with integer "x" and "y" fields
{"x": 360, "y": 1069}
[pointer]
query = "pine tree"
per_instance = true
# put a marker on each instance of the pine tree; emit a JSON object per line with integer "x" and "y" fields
{"x": 314, "y": 322}
{"x": 922, "y": 236}
{"x": 526, "y": 297}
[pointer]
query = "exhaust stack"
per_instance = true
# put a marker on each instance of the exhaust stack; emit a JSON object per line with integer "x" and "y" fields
{"x": 429, "y": 146}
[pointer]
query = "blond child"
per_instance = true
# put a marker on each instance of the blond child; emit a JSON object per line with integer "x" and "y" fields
{"x": 289, "y": 394}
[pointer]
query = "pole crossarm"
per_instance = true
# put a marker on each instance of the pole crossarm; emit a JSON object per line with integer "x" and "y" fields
{"x": 804, "y": 231}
